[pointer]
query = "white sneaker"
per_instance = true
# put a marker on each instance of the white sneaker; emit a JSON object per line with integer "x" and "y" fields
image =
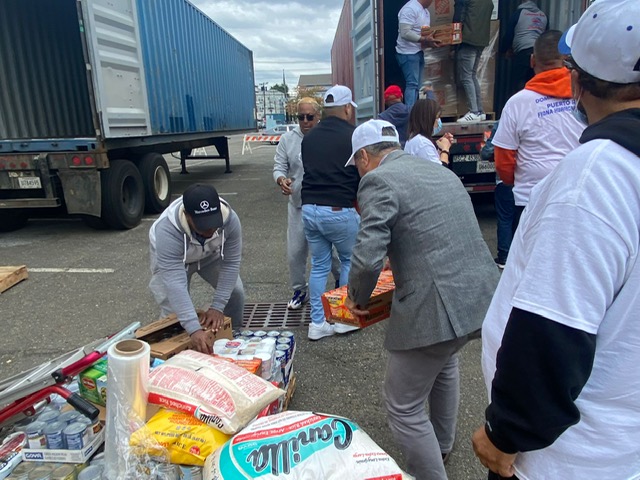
{"x": 344, "y": 328}
{"x": 483, "y": 117}
{"x": 471, "y": 117}
{"x": 316, "y": 332}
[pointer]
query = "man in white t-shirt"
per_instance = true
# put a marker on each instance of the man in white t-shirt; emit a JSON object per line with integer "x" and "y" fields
{"x": 561, "y": 339}
{"x": 537, "y": 128}
{"x": 410, "y": 44}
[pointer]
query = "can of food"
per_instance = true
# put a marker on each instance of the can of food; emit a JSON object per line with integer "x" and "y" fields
{"x": 92, "y": 472}
{"x": 98, "y": 459}
{"x": 259, "y": 333}
{"x": 284, "y": 348}
{"x": 269, "y": 341}
{"x": 190, "y": 473}
{"x": 246, "y": 333}
{"x": 20, "y": 425}
{"x": 40, "y": 473}
{"x": 285, "y": 341}
{"x": 53, "y": 434}
{"x": 49, "y": 416}
{"x": 23, "y": 470}
{"x": 273, "y": 334}
{"x": 166, "y": 471}
{"x": 75, "y": 436}
{"x": 287, "y": 333}
{"x": 267, "y": 365}
{"x": 64, "y": 472}
{"x": 69, "y": 416}
{"x": 280, "y": 357}
{"x": 35, "y": 435}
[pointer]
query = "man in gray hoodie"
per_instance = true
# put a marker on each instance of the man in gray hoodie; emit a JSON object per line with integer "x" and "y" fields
{"x": 198, "y": 232}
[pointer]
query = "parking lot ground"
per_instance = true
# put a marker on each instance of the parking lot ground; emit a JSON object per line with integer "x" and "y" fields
{"x": 86, "y": 283}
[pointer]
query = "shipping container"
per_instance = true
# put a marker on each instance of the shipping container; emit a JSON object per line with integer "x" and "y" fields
{"x": 95, "y": 91}
{"x": 369, "y": 38}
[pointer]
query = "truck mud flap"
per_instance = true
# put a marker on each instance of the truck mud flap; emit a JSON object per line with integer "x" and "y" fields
{"x": 82, "y": 191}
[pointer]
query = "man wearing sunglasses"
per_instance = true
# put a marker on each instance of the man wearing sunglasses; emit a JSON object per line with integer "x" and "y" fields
{"x": 287, "y": 173}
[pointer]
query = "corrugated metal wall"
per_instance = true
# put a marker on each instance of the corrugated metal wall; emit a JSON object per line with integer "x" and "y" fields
{"x": 43, "y": 82}
{"x": 342, "y": 50}
{"x": 199, "y": 78}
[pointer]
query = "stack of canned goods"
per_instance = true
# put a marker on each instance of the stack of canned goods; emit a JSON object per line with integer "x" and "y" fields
{"x": 34, "y": 471}
{"x": 56, "y": 430}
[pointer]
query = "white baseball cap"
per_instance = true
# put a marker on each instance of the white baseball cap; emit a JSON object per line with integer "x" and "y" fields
{"x": 605, "y": 42}
{"x": 340, "y": 95}
{"x": 370, "y": 133}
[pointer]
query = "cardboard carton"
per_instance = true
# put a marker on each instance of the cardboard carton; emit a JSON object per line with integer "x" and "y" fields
{"x": 64, "y": 456}
{"x": 166, "y": 337}
{"x": 92, "y": 383}
{"x": 447, "y": 34}
{"x": 379, "y": 303}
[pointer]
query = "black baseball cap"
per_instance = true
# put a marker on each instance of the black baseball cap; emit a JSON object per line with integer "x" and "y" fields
{"x": 202, "y": 203}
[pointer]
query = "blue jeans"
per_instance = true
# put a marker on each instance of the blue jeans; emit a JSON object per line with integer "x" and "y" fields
{"x": 325, "y": 228}
{"x": 505, "y": 209}
{"x": 412, "y": 67}
{"x": 468, "y": 59}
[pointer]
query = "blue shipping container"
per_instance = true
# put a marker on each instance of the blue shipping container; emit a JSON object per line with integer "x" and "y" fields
{"x": 199, "y": 78}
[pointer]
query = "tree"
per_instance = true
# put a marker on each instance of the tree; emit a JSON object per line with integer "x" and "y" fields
{"x": 281, "y": 88}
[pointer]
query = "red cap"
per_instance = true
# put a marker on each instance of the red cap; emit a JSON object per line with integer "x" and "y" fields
{"x": 393, "y": 91}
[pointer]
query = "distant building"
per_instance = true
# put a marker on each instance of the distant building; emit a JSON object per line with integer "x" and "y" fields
{"x": 269, "y": 102}
{"x": 321, "y": 81}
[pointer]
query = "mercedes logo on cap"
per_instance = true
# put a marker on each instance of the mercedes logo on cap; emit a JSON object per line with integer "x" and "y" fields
{"x": 204, "y": 205}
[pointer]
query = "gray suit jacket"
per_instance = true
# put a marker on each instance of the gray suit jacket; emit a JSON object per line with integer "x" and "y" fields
{"x": 419, "y": 214}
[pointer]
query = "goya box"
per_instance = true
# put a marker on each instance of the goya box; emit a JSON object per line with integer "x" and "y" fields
{"x": 379, "y": 305}
{"x": 93, "y": 383}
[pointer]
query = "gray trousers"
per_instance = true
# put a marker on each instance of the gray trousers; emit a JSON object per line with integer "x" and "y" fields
{"x": 298, "y": 251}
{"x": 209, "y": 272}
{"x": 415, "y": 377}
{"x": 468, "y": 60}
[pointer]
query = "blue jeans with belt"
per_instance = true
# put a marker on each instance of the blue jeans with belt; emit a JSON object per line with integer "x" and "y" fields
{"x": 412, "y": 67}
{"x": 324, "y": 228}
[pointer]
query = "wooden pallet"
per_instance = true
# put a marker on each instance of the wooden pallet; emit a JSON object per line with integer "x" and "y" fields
{"x": 291, "y": 389}
{"x": 9, "y": 276}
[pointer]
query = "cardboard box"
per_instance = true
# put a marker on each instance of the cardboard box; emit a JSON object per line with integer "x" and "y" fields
{"x": 92, "y": 383}
{"x": 441, "y": 12}
{"x": 448, "y": 34}
{"x": 167, "y": 337}
{"x": 64, "y": 456}
{"x": 379, "y": 303}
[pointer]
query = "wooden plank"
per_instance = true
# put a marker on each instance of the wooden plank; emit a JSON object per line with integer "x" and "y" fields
{"x": 291, "y": 389}
{"x": 9, "y": 276}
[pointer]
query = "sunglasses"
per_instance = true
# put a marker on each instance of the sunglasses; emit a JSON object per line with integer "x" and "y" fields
{"x": 309, "y": 118}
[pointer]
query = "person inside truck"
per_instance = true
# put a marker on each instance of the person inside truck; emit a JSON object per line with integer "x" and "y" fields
{"x": 396, "y": 112}
{"x": 420, "y": 215}
{"x": 475, "y": 16}
{"x": 537, "y": 127}
{"x": 424, "y": 123}
{"x": 197, "y": 233}
{"x": 410, "y": 45}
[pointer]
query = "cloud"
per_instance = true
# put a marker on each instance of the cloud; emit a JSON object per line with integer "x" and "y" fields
{"x": 292, "y": 35}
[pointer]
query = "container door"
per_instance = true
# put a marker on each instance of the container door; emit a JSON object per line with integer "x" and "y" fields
{"x": 364, "y": 35}
{"x": 113, "y": 44}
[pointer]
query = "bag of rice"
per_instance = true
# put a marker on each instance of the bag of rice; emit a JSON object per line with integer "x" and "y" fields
{"x": 299, "y": 446}
{"x": 215, "y": 391}
{"x": 178, "y": 438}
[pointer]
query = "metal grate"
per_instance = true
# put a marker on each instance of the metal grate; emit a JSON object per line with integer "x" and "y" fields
{"x": 274, "y": 315}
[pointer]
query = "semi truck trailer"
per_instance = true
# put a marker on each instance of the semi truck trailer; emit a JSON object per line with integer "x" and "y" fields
{"x": 93, "y": 93}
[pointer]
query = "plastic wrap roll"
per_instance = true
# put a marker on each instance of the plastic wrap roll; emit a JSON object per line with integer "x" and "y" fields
{"x": 127, "y": 391}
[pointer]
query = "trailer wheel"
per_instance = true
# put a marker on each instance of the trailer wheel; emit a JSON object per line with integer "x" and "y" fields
{"x": 122, "y": 195}
{"x": 157, "y": 182}
{"x": 11, "y": 220}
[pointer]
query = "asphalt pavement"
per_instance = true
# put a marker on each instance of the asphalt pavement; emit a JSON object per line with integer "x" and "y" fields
{"x": 84, "y": 284}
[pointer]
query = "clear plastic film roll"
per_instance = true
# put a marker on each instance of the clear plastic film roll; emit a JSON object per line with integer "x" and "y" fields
{"x": 127, "y": 391}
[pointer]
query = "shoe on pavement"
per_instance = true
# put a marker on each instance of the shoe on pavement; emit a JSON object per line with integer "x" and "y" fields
{"x": 299, "y": 297}
{"x": 500, "y": 263}
{"x": 316, "y": 332}
{"x": 471, "y": 117}
{"x": 344, "y": 328}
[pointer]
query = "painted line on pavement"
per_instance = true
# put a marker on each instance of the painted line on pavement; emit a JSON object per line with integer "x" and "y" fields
{"x": 71, "y": 270}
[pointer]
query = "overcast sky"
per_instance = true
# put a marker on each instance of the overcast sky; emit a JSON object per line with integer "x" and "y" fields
{"x": 283, "y": 34}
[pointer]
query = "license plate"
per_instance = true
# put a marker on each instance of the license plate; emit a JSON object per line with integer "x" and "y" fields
{"x": 29, "y": 182}
{"x": 485, "y": 167}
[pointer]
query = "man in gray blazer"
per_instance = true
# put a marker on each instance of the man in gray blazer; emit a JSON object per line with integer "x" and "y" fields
{"x": 419, "y": 214}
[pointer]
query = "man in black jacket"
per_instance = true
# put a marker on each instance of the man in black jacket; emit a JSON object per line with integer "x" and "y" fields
{"x": 561, "y": 338}
{"x": 328, "y": 201}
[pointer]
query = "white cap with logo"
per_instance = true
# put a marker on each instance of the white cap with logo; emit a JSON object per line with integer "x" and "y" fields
{"x": 605, "y": 42}
{"x": 370, "y": 133}
{"x": 337, "y": 96}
